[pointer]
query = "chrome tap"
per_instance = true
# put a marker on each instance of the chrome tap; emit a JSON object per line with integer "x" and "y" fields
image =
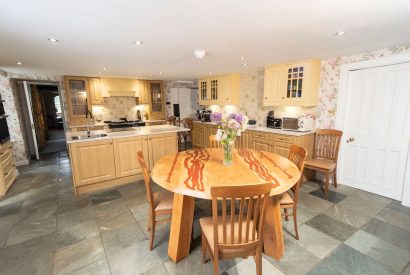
{"x": 243, "y": 108}
{"x": 89, "y": 122}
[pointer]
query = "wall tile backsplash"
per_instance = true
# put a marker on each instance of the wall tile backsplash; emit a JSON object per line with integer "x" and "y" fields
{"x": 117, "y": 107}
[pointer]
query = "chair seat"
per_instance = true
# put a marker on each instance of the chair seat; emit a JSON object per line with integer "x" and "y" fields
{"x": 208, "y": 230}
{"x": 320, "y": 164}
{"x": 285, "y": 198}
{"x": 163, "y": 200}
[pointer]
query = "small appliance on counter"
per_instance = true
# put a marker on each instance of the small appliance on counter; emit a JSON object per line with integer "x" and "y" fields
{"x": 304, "y": 123}
{"x": 273, "y": 122}
{"x": 204, "y": 115}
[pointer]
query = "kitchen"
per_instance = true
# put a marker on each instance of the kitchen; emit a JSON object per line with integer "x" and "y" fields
{"x": 126, "y": 90}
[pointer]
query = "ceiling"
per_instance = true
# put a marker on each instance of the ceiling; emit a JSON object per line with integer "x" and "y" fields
{"x": 94, "y": 34}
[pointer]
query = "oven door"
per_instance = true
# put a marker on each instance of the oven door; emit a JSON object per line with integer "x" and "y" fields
{"x": 4, "y": 130}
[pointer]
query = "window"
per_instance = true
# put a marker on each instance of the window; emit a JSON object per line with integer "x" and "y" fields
{"x": 57, "y": 104}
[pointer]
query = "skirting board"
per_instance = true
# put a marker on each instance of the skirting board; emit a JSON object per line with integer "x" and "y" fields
{"x": 22, "y": 162}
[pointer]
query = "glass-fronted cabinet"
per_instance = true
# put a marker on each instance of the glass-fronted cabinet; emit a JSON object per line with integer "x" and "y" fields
{"x": 203, "y": 91}
{"x": 157, "y": 99}
{"x": 294, "y": 82}
{"x": 214, "y": 89}
{"x": 77, "y": 95}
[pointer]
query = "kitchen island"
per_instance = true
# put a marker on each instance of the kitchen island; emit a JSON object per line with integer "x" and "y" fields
{"x": 108, "y": 157}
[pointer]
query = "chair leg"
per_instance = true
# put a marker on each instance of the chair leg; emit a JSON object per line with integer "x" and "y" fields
{"x": 327, "y": 184}
{"x": 152, "y": 236}
{"x": 258, "y": 260}
{"x": 286, "y": 214}
{"x": 295, "y": 223}
{"x": 216, "y": 265}
{"x": 335, "y": 179}
{"x": 203, "y": 248}
{"x": 149, "y": 223}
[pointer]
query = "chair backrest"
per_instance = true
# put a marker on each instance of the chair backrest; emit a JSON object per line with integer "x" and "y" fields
{"x": 213, "y": 141}
{"x": 298, "y": 155}
{"x": 188, "y": 122}
{"x": 147, "y": 179}
{"x": 327, "y": 142}
{"x": 241, "y": 230}
{"x": 172, "y": 120}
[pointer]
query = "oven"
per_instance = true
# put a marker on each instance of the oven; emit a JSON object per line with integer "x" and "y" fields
{"x": 4, "y": 129}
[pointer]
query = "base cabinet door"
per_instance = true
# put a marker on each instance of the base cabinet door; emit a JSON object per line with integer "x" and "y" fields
{"x": 92, "y": 161}
{"x": 161, "y": 146}
{"x": 282, "y": 150}
{"x": 198, "y": 133}
{"x": 125, "y": 151}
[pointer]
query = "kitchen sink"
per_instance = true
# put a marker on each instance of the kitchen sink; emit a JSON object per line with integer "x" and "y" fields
{"x": 88, "y": 137}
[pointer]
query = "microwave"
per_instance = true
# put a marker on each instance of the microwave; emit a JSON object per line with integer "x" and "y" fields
{"x": 301, "y": 124}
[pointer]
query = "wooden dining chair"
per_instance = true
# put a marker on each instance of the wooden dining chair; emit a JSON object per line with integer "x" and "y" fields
{"x": 237, "y": 234}
{"x": 188, "y": 123}
{"x": 213, "y": 141}
{"x": 172, "y": 120}
{"x": 160, "y": 203}
{"x": 289, "y": 199}
{"x": 325, "y": 153}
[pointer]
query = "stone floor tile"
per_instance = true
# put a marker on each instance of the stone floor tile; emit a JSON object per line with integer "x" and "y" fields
{"x": 308, "y": 187}
{"x": 157, "y": 270}
{"x": 407, "y": 270}
{"x": 397, "y": 206}
{"x": 78, "y": 255}
{"x": 120, "y": 238}
{"x": 34, "y": 256}
{"x": 316, "y": 242}
{"x": 140, "y": 212}
{"x": 74, "y": 217}
{"x": 394, "y": 217}
{"x": 363, "y": 204}
{"x": 314, "y": 203}
{"x": 37, "y": 214}
{"x": 110, "y": 208}
{"x": 291, "y": 262}
{"x": 343, "y": 189}
{"x": 10, "y": 209}
{"x": 71, "y": 235}
{"x": 380, "y": 250}
{"x": 346, "y": 260}
{"x": 337, "y": 229}
{"x": 69, "y": 202}
{"x": 107, "y": 223}
{"x": 26, "y": 230}
{"x": 6, "y": 224}
{"x": 248, "y": 266}
{"x": 347, "y": 215}
{"x": 332, "y": 196}
{"x": 99, "y": 267}
{"x": 388, "y": 232}
{"x": 105, "y": 196}
{"x": 134, "y": 259}
{"x": 132, "y": 189}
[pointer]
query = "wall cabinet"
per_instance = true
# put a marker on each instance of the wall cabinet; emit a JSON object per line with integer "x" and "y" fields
{"x": 125, "y": 152}
{"x": 143, "y": 92}
{"x": 77, "y": 90}
{"x": 292, "y": 84}
{"x": 96, "y": 96}
{"x": 156, "y": 99}
{"x": 221, "y": 90}
{"x": 92, "y": 162}
{"x": 119, "y": 87}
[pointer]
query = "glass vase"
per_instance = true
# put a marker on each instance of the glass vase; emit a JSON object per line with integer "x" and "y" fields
{"x": 228, "y": 152}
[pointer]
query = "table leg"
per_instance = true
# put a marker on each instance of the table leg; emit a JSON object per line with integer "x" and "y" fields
{"x": 273, "y": 242}
{"x": 181, "y": 227}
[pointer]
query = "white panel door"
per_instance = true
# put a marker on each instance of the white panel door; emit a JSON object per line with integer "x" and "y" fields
{"x": 377, "y": 129}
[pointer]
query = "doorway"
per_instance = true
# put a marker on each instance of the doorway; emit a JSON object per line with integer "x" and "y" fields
{"x": 44, "y": 118}
{"x": 374, "y": 114}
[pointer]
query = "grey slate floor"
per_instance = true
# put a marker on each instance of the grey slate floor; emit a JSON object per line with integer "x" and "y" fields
{"x": 45, "y": 229}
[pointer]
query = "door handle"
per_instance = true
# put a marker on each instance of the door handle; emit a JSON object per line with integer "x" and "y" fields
{"x": 350, "y": 140}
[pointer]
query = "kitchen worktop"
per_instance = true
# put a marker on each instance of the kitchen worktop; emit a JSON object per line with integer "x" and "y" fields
{"x": 267, "y": 129}
{"x": 105, "y": 124}
{"x": 136, "y": 131}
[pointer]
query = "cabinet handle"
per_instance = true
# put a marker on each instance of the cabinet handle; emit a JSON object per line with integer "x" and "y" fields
{"x": 266, "y": 97}
{"x": 283, "y": 97}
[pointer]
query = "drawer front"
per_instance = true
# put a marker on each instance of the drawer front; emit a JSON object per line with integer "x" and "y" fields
{"x": 6, "y": 156}
{"x": 10, "y": 176}
{"x": 260, "y": 135}
{"x": 283, "y": 144}
{"x": 7, "y": 165}
{"x": 283, "y": 138}
{"x": 5, "y": 147}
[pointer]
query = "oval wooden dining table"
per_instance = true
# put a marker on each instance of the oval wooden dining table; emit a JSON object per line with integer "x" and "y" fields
{"x": 191, "y": 174}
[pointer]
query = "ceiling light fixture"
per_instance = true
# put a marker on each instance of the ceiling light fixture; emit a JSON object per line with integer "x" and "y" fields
{"x": 104, "y": 69}
{"x": 245, "y": 64}
{"x": 242, "y": 57}
{"x": 139, "y": 43}
{"x": 19, "y": 63}
{"x": 210, "y": 72}
{"x": 160, "y": 72}
{"x": 54, "y": 40}
{"x": 340, "y": 33}
{"x": 99, "y": 72}
{"x": 199, "y": 54}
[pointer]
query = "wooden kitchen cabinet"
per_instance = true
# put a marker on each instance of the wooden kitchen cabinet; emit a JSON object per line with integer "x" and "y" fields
{"x": 119, "y": 87}
{"x": 223, "y": 90}
{"x": 198, "y": 135}
{"x": 77, "y": 90}
{"x": 96, "y": 96}
{"x": 292, "y": 84}
{"x": 125, "y": 152}
{"x": 143, "y": 92}
{"x": 161, "y": 145}
{"x": 7, "y": 168}
{"x": 92, "y": 162}
{"x": 156, "y": 99}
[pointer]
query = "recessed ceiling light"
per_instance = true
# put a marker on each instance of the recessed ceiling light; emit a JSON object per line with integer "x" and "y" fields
{"x": 104, "y": 69}
{"x": 210, "y": 72}
{"x": 199, "y": 54}
{"x": 242, "y": 57}
{"x": 54, "y": 40}
{"x": 138, "y": 43}
{"x": 99, "y": 72}
{"x": 19, "y": 63}
{"x": 245, "y": 64}
{"x": 160, "y": 72}
{"x": 339, "y": 33}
